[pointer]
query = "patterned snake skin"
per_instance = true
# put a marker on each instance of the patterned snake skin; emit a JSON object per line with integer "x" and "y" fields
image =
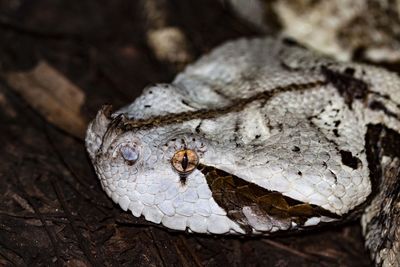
{"x": 258, "y": 137}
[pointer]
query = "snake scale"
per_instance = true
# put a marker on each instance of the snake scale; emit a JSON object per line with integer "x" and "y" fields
{"x": 260, "y": 136}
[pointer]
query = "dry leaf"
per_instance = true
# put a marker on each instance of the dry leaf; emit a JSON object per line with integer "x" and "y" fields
{"x": 55, "y": 97}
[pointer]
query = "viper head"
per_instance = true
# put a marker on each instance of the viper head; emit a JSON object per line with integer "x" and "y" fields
{"x": 223, "y": 169}
{"x": 154, "y": 172}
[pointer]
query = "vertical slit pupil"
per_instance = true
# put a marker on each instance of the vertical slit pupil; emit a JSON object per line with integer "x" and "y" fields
{"x": 185, "y": 161}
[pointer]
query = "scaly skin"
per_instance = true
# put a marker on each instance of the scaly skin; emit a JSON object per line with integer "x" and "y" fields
{"x": 285, "y": 140}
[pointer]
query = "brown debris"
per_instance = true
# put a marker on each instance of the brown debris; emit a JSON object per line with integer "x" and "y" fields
{"x": 52, "y": 95}
{"x": 168, "y": 42}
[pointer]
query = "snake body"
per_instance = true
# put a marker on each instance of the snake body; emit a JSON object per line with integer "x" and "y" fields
{"x": 260, "y": 136}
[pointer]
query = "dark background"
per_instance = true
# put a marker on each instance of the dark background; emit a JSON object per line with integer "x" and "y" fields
{"x": 52, "y": 208}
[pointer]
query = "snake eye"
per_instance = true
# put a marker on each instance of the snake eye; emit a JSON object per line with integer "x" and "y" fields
{"x": 130, "y": 153}
{"x": 185, "y": 161}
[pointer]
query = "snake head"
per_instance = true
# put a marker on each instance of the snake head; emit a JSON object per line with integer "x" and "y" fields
{"x": 229, "y": 148}
{"x": 154, "y": 172}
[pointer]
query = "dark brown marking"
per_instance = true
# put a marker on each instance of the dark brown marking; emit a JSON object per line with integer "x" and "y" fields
{"x": 296, "y": 149}
{"x": 385, "y": 179}
{"x": 334, "y": 175}
{"x": 186, "y": 103}
{"x": 220, "y": 93}
{"x": 183, "y": 178}
{"x": 336, "y": 132}
{"x": 379, "y": 141}
{"x": 292, "y": 42}
{"x": 350, "y": 71}
{"x": 235, "y": 106}
{"x": 387, "y": 97}
{"x": 373, "y": 149}
{"x": 349, "y": 160}
{"x": 349, "y": 88}
{"x": 236, "y": 132}
{"x": 233, "y": 193}
{"x": 310, "y": 120}
{"x": 237, "y": 125}
{"x": 379, "y": 106}
{"x": 198, "y": 127}
{"x": 390, "y": 142}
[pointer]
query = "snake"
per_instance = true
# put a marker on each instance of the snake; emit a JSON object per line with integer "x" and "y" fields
{"x": 258, "y": 137}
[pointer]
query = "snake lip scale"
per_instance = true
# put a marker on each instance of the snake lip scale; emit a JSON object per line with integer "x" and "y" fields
{"x": 259, "y": 137}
